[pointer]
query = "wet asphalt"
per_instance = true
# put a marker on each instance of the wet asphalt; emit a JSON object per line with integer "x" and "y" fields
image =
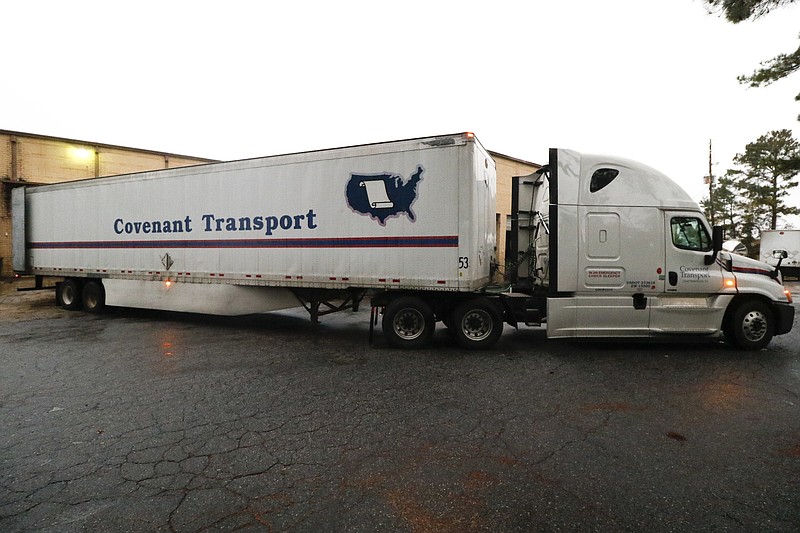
{"x": 143, "y": 421}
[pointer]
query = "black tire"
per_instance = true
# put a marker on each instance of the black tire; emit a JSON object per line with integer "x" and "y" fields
{"x": 477, "y": 324}
{"x": 59, "y": 303}
{"x": 69, "y": 294}
{"x": 751, "y": 325}
{"x": 408, "y": 322}
{"x": 93, "y": 297}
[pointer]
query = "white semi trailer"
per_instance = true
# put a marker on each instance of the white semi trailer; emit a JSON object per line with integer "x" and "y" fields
{"x": 774, "y": 242}
{"x": 606, "y": 247}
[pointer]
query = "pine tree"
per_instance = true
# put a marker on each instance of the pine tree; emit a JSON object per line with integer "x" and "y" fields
{"x": 733, "y": 211}
{"x": 739, "y": 10}
{"x": 727, "y": 206}
{"x": 771, "y": 70}
{"x": 768, "y": 171}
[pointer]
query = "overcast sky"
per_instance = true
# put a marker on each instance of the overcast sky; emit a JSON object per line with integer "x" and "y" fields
{"x": 651, "y": 80}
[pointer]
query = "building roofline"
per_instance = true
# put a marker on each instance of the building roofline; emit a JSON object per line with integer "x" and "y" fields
{"x": 516, "y": 159}
{"x": 172, "y": 154}
{"x": 103, "y": 145}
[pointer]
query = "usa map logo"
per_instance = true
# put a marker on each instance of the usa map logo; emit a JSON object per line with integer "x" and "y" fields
{"x": 383, "y": 196}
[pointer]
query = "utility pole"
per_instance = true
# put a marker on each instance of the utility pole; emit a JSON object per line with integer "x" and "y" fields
{"x": 710, "y": 179}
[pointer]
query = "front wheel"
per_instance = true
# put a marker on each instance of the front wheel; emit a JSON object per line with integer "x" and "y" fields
{"x": 477, "y": 324}
{"x": 408, "y": 322}
{"x": 751, "y": 326}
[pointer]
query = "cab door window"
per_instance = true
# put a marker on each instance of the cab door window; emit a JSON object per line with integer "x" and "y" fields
{"x": 689, "y": 233}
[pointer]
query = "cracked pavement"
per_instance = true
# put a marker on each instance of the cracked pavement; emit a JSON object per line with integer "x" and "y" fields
{"x": 141, "y": 421}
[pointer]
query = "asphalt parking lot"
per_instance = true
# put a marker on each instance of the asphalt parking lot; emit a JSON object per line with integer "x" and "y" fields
{"x": 141, "y": 421}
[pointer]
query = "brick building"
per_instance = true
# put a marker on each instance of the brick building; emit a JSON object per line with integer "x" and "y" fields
{"x": 507, "y": 168}
{"x": 29, "y": 159}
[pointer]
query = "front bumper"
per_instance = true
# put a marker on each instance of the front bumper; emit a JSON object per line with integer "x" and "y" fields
{"x": 784, "y": 317}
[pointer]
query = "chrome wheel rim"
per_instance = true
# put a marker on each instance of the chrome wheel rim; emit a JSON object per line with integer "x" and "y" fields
{"x": 477, "y": 325}
{"x": 754, "y": 326}
{"x": 68, "y": 295}
{"x": 91, "y": 301}
{"x": 409, "y": 324}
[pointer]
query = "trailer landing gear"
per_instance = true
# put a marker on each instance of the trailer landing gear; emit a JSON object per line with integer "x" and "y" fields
{"x": 324, "y": 302}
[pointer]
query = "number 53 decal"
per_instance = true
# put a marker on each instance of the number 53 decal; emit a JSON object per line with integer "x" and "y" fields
{"x": 463, "y": 262}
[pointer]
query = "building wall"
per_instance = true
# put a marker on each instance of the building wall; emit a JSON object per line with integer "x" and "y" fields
{"x": 28, "y": 159}
{"x": 507, "y": 168}
{"x": 5, "y": 231}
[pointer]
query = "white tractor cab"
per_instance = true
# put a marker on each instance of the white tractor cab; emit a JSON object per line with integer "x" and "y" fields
{"x": 614, "y": 248}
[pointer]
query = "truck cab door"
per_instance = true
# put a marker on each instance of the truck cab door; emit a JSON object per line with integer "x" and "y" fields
{"x": 689, "y": 301}
{"x": 616, "y": 261}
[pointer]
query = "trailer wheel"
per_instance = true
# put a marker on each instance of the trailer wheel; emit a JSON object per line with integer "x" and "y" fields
{"x": 751, "y": 325}
{"x": 408, "y": 322}
{"x": 68, "y": 292}
{"x": 93, "y": 297}
{"x": 477, "y": 324}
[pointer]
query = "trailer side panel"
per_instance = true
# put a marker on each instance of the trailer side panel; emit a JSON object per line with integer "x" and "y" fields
{"x": 407, "y": 215}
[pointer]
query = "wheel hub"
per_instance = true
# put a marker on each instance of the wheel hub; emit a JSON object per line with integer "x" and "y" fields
{"x": 754, "y": 326}
{"x": 68, "y": 295}
{"x": 409, "y": 324}
{"x": 477, "y": 325}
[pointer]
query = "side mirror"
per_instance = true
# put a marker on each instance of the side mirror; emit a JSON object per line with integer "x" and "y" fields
{"x": 780, "y": 255}
{"x": 717, "y": 236}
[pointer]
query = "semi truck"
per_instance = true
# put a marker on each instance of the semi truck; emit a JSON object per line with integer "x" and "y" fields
{"x": 600, "y": 246}
{"x": 776, "y": 241}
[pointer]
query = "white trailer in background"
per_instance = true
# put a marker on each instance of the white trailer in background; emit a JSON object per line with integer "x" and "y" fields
{"x": 607, "y": 247}
{"x": 776, "y": 241}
